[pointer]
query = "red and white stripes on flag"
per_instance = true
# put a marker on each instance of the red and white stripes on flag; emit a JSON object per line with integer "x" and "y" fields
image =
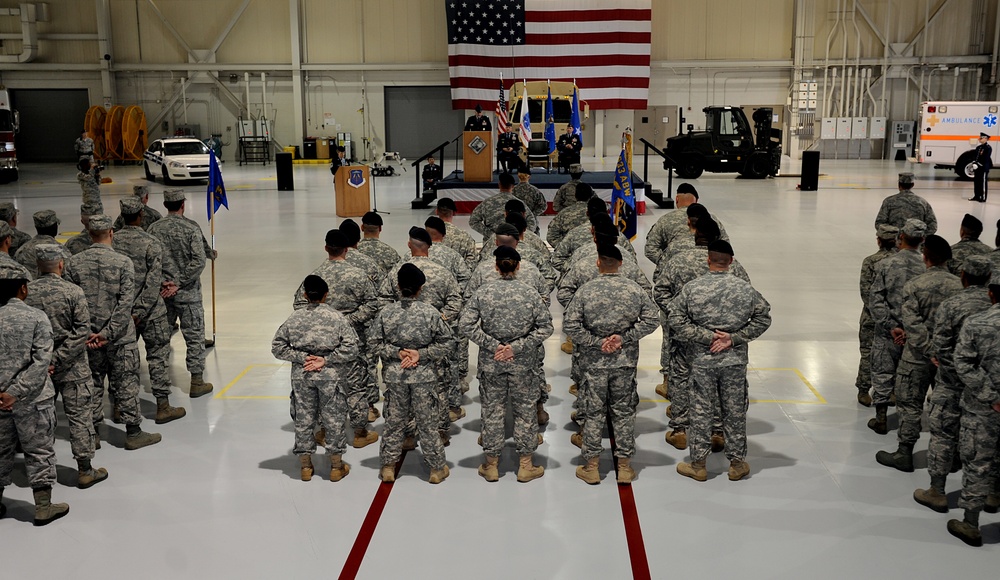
{"x": 501, "y": 112}
{"x": 603, "y": 44}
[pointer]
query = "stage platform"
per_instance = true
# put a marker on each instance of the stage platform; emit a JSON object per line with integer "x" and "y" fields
{"x": 467, "y": 195}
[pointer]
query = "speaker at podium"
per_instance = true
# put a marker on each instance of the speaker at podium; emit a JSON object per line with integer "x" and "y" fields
{"x": 352, "y": 190}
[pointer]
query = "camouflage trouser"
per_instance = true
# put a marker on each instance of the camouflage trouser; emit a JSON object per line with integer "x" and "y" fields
{"x": 192, "y": 317}
{"x": 912, "y": 381}
{"x": 120, "y": 364}
{"x": 463, "y": 357}
{"x": 34, "y": 425}
{"x": 358, "y": 394}
{"x": 370, "y": 378}
{"x": 866, "y": 332}
{"x": 419, "y": 401}
{"x": 943, "y": 420}
{"x": 78, "y": 404}
{"x": 665, "y": 345}
{"x": 680, "y": 391}
{"x": 321, "y": 402}
{"x": 495, "y": 391}
{"x": 885, "y": 359}
{"x": 723, "y": 390}
{"x": 155, "y": 334}
{"x": 609, "y": 390}
{"x": 444, "y": 392}
{"x": 539, "y": 376}
{"x": 92, "y": 197}
{"x": 978, "y": 441}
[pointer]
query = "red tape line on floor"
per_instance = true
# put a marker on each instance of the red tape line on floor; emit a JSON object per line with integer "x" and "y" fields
{"x": 360, "y": 547}
{"x": 630, "y": 517}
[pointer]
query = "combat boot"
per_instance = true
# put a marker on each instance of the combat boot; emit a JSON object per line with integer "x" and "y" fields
{"x": 661, "y": 389}
{"x": 363, "y": 438}
{"x": 165, "y": 413}
{"x": 198, "y": 386}
{"x": 307, "y": 467}
{"x": 695, "y": 470}
{"x": 567, "y": 347}
{"x": 901, "y": 459}
{"x": 540, "y": 439}
{"x": 573, "y": 389}
{"x": 576, "y": 439}
{"x": 338, "y": 468}
{"x": 718, "y": 442}
{"x": 455, "y": 413}
{"x": 678, "y": 438}
{"x": 669, "y": 411}
{"x": 320, "y": 437}
{"x": 116, "y": 414}
{"x": 479, "y": 441}
{"x": 387, "y": 474}
{"x": 373, "y": 414}
{"x": 992, "y": 503}
{"x": 3, "y": 508}
{"x": 488, "y": 470}
{"x": 47, "y": 512}
{"x": 589, "y": 473}
{"x": 136, "y": 438}
{"x": 738, "y": 469}
{"x": 439, "y": 475}
{"x": 87, "y": 476}
{"x": 892, "y": 400}
{"x": 445, "y": 437}
{"x": 864, "y": 399}
{"x": 932, "y": 498}
{"x": 410, "y": 443}
{"x": 526, "y": 471}
{"x": 543, "y": 415}
{"x": 574, "y": 417}
{"x": 880, "y": 424}
{"x": 465, "y": 384}
{"x": 967, "y": 530}
{"x": 626, "y": 474}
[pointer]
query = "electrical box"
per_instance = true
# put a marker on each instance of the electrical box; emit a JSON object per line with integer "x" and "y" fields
{"x": 859, "y": 128}
{"x": 877, "y": 128}
{"x": 828, "y": 130}
{"x": 902, "y": 139}
{"x": 843, "y": 127}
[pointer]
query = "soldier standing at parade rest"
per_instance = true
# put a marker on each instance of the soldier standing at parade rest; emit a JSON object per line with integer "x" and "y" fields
{"x": 885, "y": 237}
{"x": 84, "y": 146}
{"x": 383, "y": 254}
{"x": 6, "y": 262}
{"x": 968, "y": 244}
{"x": 569, "y": 147}
{"x": 8, "y": 213}
{"x": 899, "y": 207}
{"x": 89, "y": 178}
{"x": 983, "y": 163}
{"x": 149, "y": 215}
{"x": 456, "y": 238}
{"x": 478, "y": 122}
{"x": 323, "y": 349}
{"x": 532, "y": 197}
{"x": 47, "y": 226}
{"x": 27, "y": 398}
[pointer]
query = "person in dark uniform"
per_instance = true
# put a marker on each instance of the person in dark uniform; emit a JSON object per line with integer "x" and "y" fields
{"x": 431, "y": 174}
{"x": 508, "y": 150}
{"x": 569, "y": 149}
{"x": 339, "y": 161}
{"x": 984, "y": 161}
{"x": 478, "y": 122}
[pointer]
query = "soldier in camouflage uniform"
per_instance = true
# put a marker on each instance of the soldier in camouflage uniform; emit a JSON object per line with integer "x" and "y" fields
{"x": 885, "y": 304}
{"x": 361, "y": 260}
{"x": 371, "y": 228}
{"x": 108, "y": 281}
{"x": 409, "y": 336}
{"x": 450, "y": 259}
{"x": 6, "y": 262}
{"x": 977, "y": 362}
{"x": 149, "y": 215}
{"x": 27, "y": 399}
{"x": 456, "y": 238}
{"x": 716, "y": 316}
{"x": 571, "y": 216}
{"x": 528, "y": 239}
{"x": 669, "y": 279}
{"x": 184, "y": 260}
{"x": 995, "y": 254}
{"x": 8, "y": 214}
{"x": 529, "y": 194}
{"x": 490, "y": 212}
{"x": 89, "y": 178}
{"x": 81, "y": 241}
{"x": 350, "y": 292}
{"x": 323, "y": 348}
{"x": 670, "y": 224}
{"x": 899, "y": 207}
{"x": 969, "y": 245}
{"x": 583, "y": 234}
{"x": 566, "y": 194}
{"x": 921, "y": 297}
{"x": 515, "y": 227}
{"x": 66, "y": 307}
{"x": 47, "y": 226}
{"x": 885, "y": 236}
{"x": 945, "y": 411}
{"x": 606, "y": 319}
{"x": 509, "y": 324}
{"x": 149, "y": 313}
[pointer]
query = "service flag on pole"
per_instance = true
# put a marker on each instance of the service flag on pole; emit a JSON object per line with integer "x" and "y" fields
{"x": 574, "y": 118}
{"x": 216, "y": 188}
{"x": 525, "y": 118}
{"x": 550, "y": 123}
{"x": 623, "y": 199}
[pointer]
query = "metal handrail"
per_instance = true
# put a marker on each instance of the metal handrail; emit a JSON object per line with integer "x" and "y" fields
{"x": 439, "y": 150}
{"x": 668, "y": 163}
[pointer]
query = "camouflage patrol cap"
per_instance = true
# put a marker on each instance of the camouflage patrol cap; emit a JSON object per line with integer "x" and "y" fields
{"x": 887, "y": 232}
{"x": 914, "y": 228}
{"x": 420, "y": 235}
{"x": 174, "y": 195}
{"x": 50, "y": 253}
{"x": 609, "y": 251}
{"x": 7, "y": 211}
{"x": 140, "y": 190}
{"x": 507, "y": 229}
{"x": 576, "y": 168}
{"x": 8, "y": 273}
{"x": 978, "y": 265}
{"x": 45, "y": 219}
{"x": 131, "y": 205}
{"x": 906, "y": 179}
{"x": 436, "y": 224}
{"x": 371, "y": 219}
{"x": 99, "y": 223}
{"x": 506, "y": 253}
{"x": 89, "y": 210}
{"x": 5, "y": 229}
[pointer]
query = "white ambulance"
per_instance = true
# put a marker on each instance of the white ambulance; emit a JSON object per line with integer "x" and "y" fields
{"x": 949, "y": 133}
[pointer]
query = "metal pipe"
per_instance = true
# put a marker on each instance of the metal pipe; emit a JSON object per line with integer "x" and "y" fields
{"x": 184, "y": 104}
{"x": 263, "y": 95}
{"x": 847, "y": 76}
{"x": 954, "y": 85}
{"x": 857, "y": 58}
{"x": 826, "y": 68}
{"x": 885, "y": 56}
{"x": 996, "y": 50}
{"x": 868, "y": 89}
{"x": 29, "y": 34}
{"x": 844, "y": 101}
{"x": 833, "y": 87}
{"x": 246, "y": 81}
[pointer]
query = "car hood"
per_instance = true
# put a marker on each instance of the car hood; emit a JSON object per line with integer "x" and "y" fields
{"x": 189, "y": 159}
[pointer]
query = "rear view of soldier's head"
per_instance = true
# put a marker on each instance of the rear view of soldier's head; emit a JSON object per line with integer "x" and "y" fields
{"x": 971, "y": 228}
{"x": 410, "y": 280}
{"x": 720, "y": 255}
{"x": 336, "y": 244}
{"x": 686, "y": 195}
{"x": 609, "y": 258}
{"x": 514, "y": 206}
{"x": 99, "y": 228}
{"x": 420, "y": 241}
{"x": 352, "y": 231}
{"x": 46, "y": 222}
{"x": 584, "y": 192}
{"x": 315, "y": 288}
{"x": 371, "y": 224}
{"x": 508, "y": 260}
{"x": 12, "y": 285}
{"x": 937, "y": 252}
{"x": 435, "y": 228}
{"x": 905, "y": 181}
{"x": 912, "y": 233}
{"x": 507, "y": 235}
{"x": 887, "y": 236}
{"x": 517, "y": 220}
{"x": 506, "y": 181}
{"x": 976, "y": 270}
{"x": 50, "y": 258}
{"x": 706, "y": 232}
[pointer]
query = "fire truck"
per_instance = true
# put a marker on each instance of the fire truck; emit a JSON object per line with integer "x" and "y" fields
{"x": 8, "y": 127}
{"x": 949, "y": 131}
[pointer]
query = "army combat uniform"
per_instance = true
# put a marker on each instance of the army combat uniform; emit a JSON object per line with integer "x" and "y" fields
{"x": 459, "y": 240}
{"x": 866, "y": 325}
{"x": 17, "y": 238}
{"x": 899, "y": 207}
{"x": 490, "y": 213}
{"x": 532, "y": 197}
{"x": 568, "y": 218}
{"x": 384, "y": 255}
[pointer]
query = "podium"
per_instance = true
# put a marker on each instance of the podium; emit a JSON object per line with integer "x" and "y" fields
{"x": 352, "y": 190}
{"x": 477, "y": 156}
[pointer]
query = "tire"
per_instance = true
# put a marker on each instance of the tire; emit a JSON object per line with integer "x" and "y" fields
{"x": 166, "y": 176}
{"x": 691, "y": 167}
{"x": 757, "y": 167}
{"x": 149, "y": 175}
{"x": 962, "y": 166}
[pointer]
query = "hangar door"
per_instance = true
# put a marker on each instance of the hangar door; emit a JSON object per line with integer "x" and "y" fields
{"x": 418, "y": 119}
{"x": 51, "y": 121}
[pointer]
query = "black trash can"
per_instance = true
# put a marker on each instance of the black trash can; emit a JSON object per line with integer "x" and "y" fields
{"x": 283, "y": 163}
{"x": 309, "y": 149}
{"x": 810, "y": 171}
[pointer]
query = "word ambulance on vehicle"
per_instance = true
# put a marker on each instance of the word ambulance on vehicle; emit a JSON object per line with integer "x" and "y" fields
{"x": 949, "y": 133}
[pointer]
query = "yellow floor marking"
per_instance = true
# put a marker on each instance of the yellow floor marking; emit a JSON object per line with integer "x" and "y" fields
{"x": 819, "y": 398}
{"x": 222, "y": 394}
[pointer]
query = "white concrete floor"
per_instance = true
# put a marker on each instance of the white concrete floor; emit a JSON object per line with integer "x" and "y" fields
{"x": 220, "y": 496}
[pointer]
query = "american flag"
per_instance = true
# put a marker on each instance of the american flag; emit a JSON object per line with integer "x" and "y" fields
{"x": 501, "y": 112}
{"x": 604, "y": 45}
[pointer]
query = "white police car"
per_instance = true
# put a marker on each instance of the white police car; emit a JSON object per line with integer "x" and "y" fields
{"x": 176, "y": 158}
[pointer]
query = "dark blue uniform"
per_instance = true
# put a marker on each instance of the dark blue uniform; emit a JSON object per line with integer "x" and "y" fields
{"x": 475, "y": 123}
{"x": 569, "y": 150}
{"x": 984, "y": 159}
{"x": 509, "y": 160}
